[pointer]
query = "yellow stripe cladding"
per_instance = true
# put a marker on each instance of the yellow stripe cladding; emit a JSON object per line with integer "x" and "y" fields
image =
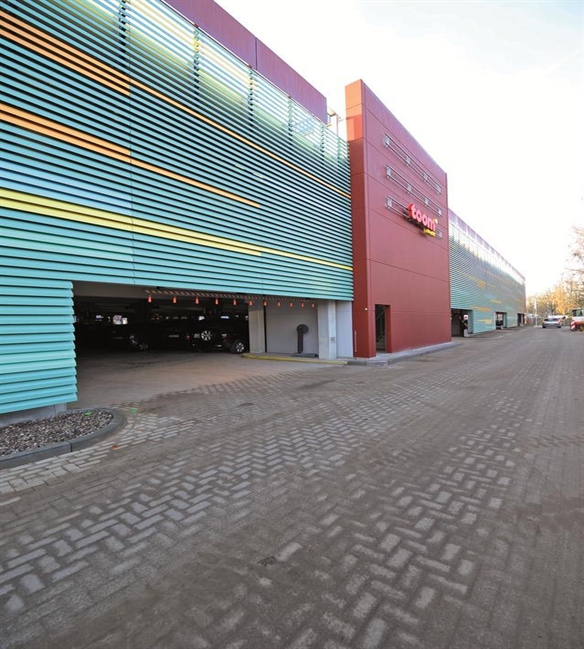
{"x": 82, "y": 214}
{"x": 75, "y": 59}
{"x": 163, "y": 22}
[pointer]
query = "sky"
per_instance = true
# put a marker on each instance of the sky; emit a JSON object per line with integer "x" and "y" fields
{"x": 492, "y": 89}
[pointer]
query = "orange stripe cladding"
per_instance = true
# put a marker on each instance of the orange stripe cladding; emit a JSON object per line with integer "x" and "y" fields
{"x": 54, "y": 129}
{"x": 191, "y": 181}
{"x": 79, "y": 138}
{"x": 77, "y": 60}
{"x": 36, "y": 40}
{"x": 234, "y": 135}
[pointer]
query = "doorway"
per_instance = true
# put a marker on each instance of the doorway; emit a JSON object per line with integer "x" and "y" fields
{"x": 382, "y": 320}
{"x": 461, "y": 322}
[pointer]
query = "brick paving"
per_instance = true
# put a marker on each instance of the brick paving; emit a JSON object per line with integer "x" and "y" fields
{"x": 432, "y": 503}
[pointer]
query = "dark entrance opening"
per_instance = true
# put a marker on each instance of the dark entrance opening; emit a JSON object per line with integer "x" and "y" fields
{"x": 460, "y": 322}
{"x": 382, "y": 339}
{"x": 165, "y": 322}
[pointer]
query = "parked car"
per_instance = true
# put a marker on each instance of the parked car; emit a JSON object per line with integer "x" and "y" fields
{"x": 171, "y": 334}
{"x": 227, "y": 334}
{"x": 104, "y": 335}
{"x": 130, "y": 337}
{"x": 553, "y": 321}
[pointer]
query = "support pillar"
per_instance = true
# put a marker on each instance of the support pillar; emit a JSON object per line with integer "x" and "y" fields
{"x": 327, "y": 330}
{"x": 257, "y": 328}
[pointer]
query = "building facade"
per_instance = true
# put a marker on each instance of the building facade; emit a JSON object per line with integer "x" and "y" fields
{"x": 162, "y": 163}
{"x": 486, "y": 291}
{"x": 400, "y": 233}
{"x": 145, "y": 162}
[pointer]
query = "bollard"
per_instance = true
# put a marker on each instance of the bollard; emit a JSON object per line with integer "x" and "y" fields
{"x": 301, "y": 330}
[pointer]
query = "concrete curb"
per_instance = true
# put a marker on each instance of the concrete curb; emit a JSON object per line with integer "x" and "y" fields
{"x": 388, "y": 359}
{"x": 293, "y": 359}
{"x": 25, "y": 457}
{"x": 380, "y": 359}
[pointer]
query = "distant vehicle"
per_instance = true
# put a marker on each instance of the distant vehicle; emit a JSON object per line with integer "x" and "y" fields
{"x": 577, "y": 323}
{"x": 553, "y": 321}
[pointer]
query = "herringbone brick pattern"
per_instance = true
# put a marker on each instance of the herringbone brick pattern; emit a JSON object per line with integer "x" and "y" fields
{"x": 435, "y": 503}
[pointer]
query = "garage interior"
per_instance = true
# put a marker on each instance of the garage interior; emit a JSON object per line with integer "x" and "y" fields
{"x": 153, "y": 312}
{"x": 133, "y": 341}
{"x": 141, "y": 319}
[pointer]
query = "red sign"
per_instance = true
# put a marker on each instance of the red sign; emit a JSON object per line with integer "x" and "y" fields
{"x": 417, "y": 217}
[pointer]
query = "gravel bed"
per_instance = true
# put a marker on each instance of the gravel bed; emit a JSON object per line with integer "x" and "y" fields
{"x": 39, "y": 433}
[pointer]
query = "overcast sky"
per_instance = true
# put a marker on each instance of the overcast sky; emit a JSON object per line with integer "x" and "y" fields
{"x": 493, "y": 90}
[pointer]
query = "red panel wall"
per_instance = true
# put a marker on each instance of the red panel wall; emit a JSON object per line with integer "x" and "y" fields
{"x": 214, "y": 20}
{"x": 396, "y": 264}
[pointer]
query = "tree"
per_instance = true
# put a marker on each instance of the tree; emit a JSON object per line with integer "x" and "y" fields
{"x": 573, "y": 279}
{"x": 546, "y": 302}
{"x": 569, "y": 292}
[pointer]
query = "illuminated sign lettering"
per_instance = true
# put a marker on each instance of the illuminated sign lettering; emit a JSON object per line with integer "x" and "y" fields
{"x": 423, "y": 221}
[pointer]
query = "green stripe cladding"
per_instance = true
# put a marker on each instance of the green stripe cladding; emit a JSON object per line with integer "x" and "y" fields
{"x": 481, "y": 281}
{"x": 178, "y": 113}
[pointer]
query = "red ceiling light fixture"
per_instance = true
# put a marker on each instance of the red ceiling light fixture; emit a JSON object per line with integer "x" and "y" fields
{"x": 302, "y": 304}
{"x": 149, "y": 298}
{"x": 196, "y": 300}
{"x": 279, "y": 304}
{"x": 216, "y": 300}
{"x": 265, "y": 303}
{"x": 312, "y": 305}
{"x": 174, "y": 299}
{"x": 291, "y": 304}
{"x": 234, "y": 302}
{"x": 250, "y": 303}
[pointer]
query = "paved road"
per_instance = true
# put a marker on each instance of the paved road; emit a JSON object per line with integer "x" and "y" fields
{"x": 432, "y": 503}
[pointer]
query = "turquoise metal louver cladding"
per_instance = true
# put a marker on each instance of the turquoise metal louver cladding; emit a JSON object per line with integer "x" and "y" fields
{"x": 37, "y": 365}
{"x": 481, "y": 281}
{"x": 139, "y": 151}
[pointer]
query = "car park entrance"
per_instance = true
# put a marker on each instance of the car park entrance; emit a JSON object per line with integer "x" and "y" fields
{"x": 110, "y": 379}
{"x": 129, "y": 342}
{"x": 161, "y": 322}
{"x": 122, "y": 330}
